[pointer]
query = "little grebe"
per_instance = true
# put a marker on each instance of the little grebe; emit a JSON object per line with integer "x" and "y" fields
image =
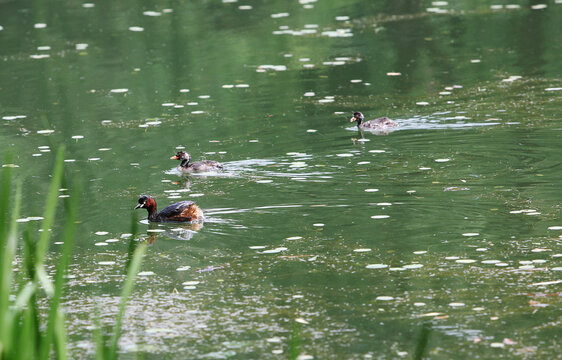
{"x": 199, "y": 166}
{"x": 380, "y": 123}
{"x": 183, "y": 211}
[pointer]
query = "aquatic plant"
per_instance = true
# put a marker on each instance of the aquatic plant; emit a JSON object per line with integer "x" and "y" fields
{"x": 26, "y": 333}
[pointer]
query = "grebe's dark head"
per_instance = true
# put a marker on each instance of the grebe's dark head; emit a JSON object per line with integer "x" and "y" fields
{"x": 181, "y": 155}
{"x": 145, "y": 201}
{"x": 357, "y": 116}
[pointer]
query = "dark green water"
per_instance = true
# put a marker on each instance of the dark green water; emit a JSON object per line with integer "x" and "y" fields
{"x": 467, "y": 203}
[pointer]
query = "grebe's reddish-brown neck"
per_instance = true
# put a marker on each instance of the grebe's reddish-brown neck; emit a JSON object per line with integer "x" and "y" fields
{"x": 149, "y": 204}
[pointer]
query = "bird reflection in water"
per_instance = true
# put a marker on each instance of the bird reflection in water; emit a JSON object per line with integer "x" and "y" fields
{"x": 184, "y": 231}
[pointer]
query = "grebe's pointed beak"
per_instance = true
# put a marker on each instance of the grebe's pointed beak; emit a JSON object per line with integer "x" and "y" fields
{"x": 138, "y": 206}
{"x": 353, "y": 118}
{"x": 175, "y": 157}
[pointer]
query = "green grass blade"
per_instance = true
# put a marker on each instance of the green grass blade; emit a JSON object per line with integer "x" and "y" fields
{"x": 23, "y": 298}
{"x": 5, "y": 200}
{"x": 53, "y": 333}
{"x": 422, "y": 342}
{"x": 295, "y": 342}
{"x": 132, "y": 244}
{"x": 50, "y": 208}
{"x": 6, "y": 271}
{"x": 60, "y": 336}
{"x": 126, "y": 292}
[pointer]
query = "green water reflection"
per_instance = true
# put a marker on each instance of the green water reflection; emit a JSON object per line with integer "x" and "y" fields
{"x": 460, "y": 205}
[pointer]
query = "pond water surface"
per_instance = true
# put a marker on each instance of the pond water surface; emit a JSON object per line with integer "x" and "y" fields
{"x": 344, "y": 242}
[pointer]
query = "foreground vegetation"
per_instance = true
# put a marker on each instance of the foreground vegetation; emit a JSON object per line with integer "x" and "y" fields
{"x": 26, "y": 332}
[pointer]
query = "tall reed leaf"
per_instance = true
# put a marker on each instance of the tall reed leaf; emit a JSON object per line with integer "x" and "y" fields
{"x": 48, "y": 221}
{"x": 9, "y": 248}
{"x": 134, "y": 267}
{"x": 55, "y": 332}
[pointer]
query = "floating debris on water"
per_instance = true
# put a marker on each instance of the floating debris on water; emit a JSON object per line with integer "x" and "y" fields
{"x": 318, "y": 224}
{"x": 45, "y": 132}
{"x": 337, "y": 33}
{"x": 380, "y": 216}
{"x": 432, "y": 314}
{"x": 294, "y": 238}
{"x": 456, "y": 304}
{"x": 492, "y": 262}
{"x": 393, "y": 74}
{"x": 371, "y": 190}
{"x": 146, "y": 273}
{"x": 544, "y": 283}
{"x": 413, "y": 266}
{"x": 192, "y": 282}
{"x": 384, "y": 298}
{"x": 466, "y": 261}
{"x": 279, "y": 15}
{"x": 118, "y": 91}
{"x": 106, "y": 262}
{"x": 512, "y": 78}
{"x": 470, "y": 234}
{"x": 136, "y": 28}
{"x": 362, "y": 250}
{"x": 152, "y": 13}
{"x": 14, "y": 117}
{"x": 183, "y": 268}
{"x": 298, "y": 164}
{"x": 274, "y": 251}
{"x": 40, "y": 26}
{"x": 442, "y": 160}
{"x": 420, "y": 252}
